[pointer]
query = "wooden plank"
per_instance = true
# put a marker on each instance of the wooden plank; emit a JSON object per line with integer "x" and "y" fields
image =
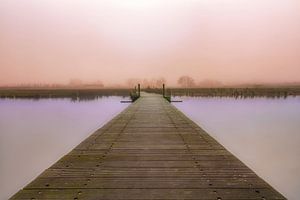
{"x": 149, "y": 151}
{"x": 98, "y": 193}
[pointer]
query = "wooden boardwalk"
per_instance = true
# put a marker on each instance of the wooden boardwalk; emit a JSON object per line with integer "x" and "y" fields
{"x": 149, "y": 151}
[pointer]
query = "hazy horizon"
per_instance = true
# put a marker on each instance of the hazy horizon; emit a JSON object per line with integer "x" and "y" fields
{"x": 198, "y": 84}
{"x": 233, "y": 41}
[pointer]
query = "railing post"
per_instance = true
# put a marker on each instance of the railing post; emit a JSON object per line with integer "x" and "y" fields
{"x": 164, "y": 90}
{"x": 139, "y": 90}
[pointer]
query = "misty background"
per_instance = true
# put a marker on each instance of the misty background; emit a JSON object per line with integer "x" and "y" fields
{"x": 115, "y": 43}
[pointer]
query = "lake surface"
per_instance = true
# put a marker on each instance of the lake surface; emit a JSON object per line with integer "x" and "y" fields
{"x": 34, "y": 134}
{"x": 263, "y": 133}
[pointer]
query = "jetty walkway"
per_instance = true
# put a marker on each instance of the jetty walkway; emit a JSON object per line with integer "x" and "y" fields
{"x": 149, "y": 151}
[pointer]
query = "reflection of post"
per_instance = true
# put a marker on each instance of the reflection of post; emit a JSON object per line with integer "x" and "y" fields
{"x": 139, "y": 89}
{"x": 163, "y": 90}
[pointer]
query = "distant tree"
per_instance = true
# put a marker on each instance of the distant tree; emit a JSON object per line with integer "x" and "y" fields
{"x": 75, "y": 82}
{"x": 186, "y": 82}
{"x": 146, "y": 83}
{"x": 132, "y": 82}
{"x": 208, "y": 83}
{"x": 160, "y": 82}
{"x": 97, "y": 84}
{"x": 151, "y": 83}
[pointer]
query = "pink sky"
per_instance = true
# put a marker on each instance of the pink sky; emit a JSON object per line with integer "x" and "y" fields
{"x": 113, "y": 40}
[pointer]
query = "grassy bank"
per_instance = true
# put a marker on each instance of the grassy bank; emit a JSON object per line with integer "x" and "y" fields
{"x": 280, "y": 92}
{"x": 84, "y": 93}
{"x": 61, "y": 93}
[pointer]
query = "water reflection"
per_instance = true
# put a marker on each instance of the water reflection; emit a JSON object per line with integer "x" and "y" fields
{"x": 263, "y": 133}
{"x": 36, "y": 133}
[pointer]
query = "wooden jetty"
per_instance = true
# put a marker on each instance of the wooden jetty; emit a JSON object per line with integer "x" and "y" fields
{"x": 149, "y": 151}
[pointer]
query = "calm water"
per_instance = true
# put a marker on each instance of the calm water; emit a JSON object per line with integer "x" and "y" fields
{"x": 35, "y": 134}
{"x": 263, "y": 133}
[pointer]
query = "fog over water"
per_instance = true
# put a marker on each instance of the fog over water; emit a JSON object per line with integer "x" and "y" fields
{"x": 263, "y": 133}
{"x": 36, "y": 133}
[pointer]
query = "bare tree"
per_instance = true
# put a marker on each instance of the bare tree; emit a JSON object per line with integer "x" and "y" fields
{"x": 132, "y": 82}
{"x": 160, "y": 82}
{"x": 209, "y": 83}
{"x": 75, "y": 82}
{"x": 96, "y": 84}
{"x": 186, "y": 82}
{"x": 147, "y": 83}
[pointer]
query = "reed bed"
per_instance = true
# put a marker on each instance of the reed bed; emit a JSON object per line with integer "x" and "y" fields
{"x": 230, "y": 92}
{"x": 82, "y": 94}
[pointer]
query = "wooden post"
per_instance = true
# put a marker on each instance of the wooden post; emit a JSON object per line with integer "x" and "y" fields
{"x": 139, "y": 89}
{"x": 164, "y": 90}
